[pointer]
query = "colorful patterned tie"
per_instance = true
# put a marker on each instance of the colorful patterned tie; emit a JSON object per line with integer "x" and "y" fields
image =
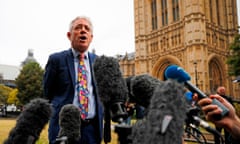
{"x": 82, "y": 87}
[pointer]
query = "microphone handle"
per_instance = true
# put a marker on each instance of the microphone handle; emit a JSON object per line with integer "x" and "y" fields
{"x": 206, "y": 126}
{"x": 194, "y": 89}
{"x": 107, "y": 126}
{"x": 201, "y": 95}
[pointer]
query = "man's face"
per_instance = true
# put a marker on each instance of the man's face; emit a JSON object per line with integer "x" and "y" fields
{"x": 80, "y": 35}
{"x": 221, "y": 91}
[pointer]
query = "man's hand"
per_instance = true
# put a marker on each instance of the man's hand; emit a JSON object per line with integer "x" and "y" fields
{"x": 230, "y": 122}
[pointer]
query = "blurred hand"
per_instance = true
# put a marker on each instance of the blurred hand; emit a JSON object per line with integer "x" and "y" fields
{"x": 211, "y": 110}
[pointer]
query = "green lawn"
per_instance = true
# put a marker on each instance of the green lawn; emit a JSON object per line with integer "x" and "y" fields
{"x": 7, "y": 124}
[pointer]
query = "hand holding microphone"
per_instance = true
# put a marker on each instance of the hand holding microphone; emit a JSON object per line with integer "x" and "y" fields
{"x": 231, "y": 122}
{"x": 177, "y": 73}
{"x": 211, "y": 110}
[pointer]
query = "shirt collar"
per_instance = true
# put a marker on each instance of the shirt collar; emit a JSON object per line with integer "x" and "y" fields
{"x": 76, "y": 54}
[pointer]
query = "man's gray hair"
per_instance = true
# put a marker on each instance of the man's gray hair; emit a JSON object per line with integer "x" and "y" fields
{"x": 81, "y": 17}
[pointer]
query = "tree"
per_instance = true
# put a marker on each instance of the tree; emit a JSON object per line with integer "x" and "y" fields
{"x": 4, "y": 93}
{"x": 12, "y": 98}
{"x": 29, "y": 82}
{"x": 233, "y": 60}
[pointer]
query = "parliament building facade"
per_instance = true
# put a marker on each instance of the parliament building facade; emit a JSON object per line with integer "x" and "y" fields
{"x": 194, "y": 34}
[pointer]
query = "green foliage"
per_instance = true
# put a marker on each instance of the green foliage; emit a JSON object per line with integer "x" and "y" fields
{"x": 29, "y": 82}
{"x": 233, "y": 60}
{"x": 4, "y": 92}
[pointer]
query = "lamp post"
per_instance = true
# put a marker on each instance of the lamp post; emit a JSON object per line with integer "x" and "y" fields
{"x": 196, "y": 77}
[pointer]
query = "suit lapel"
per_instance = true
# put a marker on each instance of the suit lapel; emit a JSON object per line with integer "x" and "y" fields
{"x": 70, "y": 63}
{"x": 91, "y": 60}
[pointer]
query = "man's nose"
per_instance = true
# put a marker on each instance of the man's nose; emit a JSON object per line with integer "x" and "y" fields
{"x": 82, "y": 32}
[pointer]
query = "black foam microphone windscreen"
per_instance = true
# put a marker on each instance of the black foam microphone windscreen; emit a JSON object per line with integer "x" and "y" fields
{"x": 112, "y": 90}
{"x": 166, "y": 115}
{"x": 142, "y": 88}
{"x": 30, "y": 122}
{"x": 111, "y": 85}
{"x": 70, "y": 123}
{"x": 138, "y": 132}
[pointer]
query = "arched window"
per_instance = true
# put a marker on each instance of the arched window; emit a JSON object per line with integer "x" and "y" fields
{"x": 215, "y": 75}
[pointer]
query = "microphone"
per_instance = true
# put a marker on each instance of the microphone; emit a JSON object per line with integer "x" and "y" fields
{"x": 70, "y": 124}
{"x": 130, "y": 94}
{"x": 30, "y": 122}
{"x": 188, "y": 96}
{"x": 166, "y": 115}
{"x": 111, "y": 86}
{"x": 141, "y": 88}
{"x": 206, "y": 126}
{"x": 112, "y": 90}
{"x": 138, "y": 132}
{"x": 177, "y": 73}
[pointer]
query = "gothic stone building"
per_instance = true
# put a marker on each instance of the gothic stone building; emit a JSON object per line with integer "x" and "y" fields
{"x": 194, "y": 34}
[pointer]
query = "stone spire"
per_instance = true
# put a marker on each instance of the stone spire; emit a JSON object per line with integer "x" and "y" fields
{"x": 29, "y": 58}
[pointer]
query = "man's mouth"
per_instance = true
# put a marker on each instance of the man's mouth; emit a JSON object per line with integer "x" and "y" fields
{"x": 83, "y": 38}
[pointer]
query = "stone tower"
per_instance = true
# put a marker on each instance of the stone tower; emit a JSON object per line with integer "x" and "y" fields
{"x": 29, "y": 58}
{"x": 194, "y": 34}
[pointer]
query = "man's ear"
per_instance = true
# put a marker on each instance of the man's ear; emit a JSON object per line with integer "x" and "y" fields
{"x": 91, "y": 38}
{"x": 69, "y": 35}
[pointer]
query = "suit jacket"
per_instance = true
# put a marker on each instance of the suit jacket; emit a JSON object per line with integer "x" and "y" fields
{"x": 59, "y": 87}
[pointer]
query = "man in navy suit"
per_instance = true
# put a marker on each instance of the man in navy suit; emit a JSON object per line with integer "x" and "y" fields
{"x": 61, "y": 82}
